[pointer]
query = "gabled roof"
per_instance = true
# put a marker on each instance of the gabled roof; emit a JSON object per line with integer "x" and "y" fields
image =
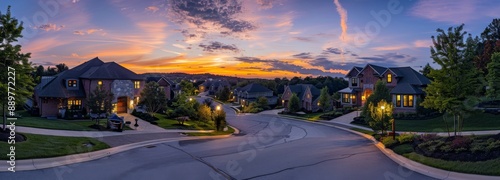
{"x": 253, "y": 88}
{"x": 354, "y": 71}
{"x": 110, "y": 70}
{"x": 94, "y": 68}
{"x": 158, "y": 78}
{"x": 406, "y": 88}
{"x": 300, "y": 89}
{"x": 410, "y": 76}
{"x": 348, "y": 90}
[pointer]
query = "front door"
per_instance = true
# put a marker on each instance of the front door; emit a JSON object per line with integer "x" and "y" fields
{"x": 121, "y": 105}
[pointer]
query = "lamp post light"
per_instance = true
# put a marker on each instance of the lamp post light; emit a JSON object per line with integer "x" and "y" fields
{"x": 217, "y": 108}
{"x": 190, "y": 99}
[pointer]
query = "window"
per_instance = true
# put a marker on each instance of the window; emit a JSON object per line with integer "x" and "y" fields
{"x": 72, "y": 83}
{"x": 398, "y": 100}
{"x": 407, "y": 100}
{"x": 353, "y": 99}
{"x": 345, "y": 98}
{"x": 99, "y": 84}
{"x": 137, "y": 84}
{"x": 354, "y": 81}
{"x": 74, "y": 104}
{"x": 389, "y": 78}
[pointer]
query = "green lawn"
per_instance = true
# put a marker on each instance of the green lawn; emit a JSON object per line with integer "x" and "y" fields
{"x": 59, "y": 124}
{"x": 312, "y": 116}
{"x": 474, "y": 122}
{"x": 229, "y": 131}
{"x": 188, "y": 125}
{"x": 43, "y": 146}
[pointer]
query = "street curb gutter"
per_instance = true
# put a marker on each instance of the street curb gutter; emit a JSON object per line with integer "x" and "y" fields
{"x": 410, "y": 164}
{"x": 36, "y": 164}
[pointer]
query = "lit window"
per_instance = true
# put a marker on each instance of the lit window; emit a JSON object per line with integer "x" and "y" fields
{"x": 75, "y": 104}
{"x": 345, "y": 98}
{"x": 389, "y": 78}
{"x": 72, "y": 83}
{"x": 137, "y": 84}
{"x": 354, "y": 81}
{"x": 407, "y": 100}
{"x": 398, "y": 100}
{"x": 99, "y": 84}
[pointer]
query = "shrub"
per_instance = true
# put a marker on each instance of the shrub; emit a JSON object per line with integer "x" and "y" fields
{"x": 460, "y": 142}
{"x": 406, "y": 138}
{"x": 389, "y": 142}
{"x": 428, "y": 137}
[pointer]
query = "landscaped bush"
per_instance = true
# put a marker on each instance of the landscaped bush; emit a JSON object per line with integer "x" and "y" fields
{"x": 359, "y": 120}
{"x": 144, "y": 116}
{"x": 459, "y": 148}
{"x": 389, "y": 142}
{"x": 405, "y": 138}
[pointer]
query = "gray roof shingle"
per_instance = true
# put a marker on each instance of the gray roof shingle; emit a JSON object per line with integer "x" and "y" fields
{"x": 254, "y": 87}
{"x": 299, "y": 89}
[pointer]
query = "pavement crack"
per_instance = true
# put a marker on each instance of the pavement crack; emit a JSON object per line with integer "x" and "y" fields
{"x": 221, "y": 172}
{"x": 344, "y": 156}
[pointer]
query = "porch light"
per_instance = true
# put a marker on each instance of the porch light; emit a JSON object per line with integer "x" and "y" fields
{"x": 217, "y": 108}
{"x": 363, "y": 97}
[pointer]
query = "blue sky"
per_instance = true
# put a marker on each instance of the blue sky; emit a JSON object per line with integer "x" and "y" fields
{"x": 251, "y": 38}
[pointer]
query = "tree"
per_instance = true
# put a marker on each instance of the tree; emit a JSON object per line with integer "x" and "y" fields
{"x": 380, "y": 93}
{"x": 153, "y": 97}
{"x": 294, "y": 103}
{"x": 455, "y": 83}
{"x": 380, "y": 116}
{"x": 99, "y": 101}
{"x": 219, "y": 118}
{"x": 325, "y": 102}
{"x": 263, "y": 103}
{"x": 61, "y": 67}
{"x": 224, "y": 94}
{"x": 489, "y": 45}
{"x": 426, "y": 70}
{"x": 187, "y": 87}
{"x": 204, "y": 113}
{"x": 493, "y": 77}
{"x": 11, "y": 56}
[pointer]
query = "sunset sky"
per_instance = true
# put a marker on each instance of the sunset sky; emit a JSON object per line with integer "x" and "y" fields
{"x": 245, "y": 38}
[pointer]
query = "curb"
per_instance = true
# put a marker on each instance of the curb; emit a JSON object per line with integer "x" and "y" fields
{"x": 36, "y": 164}
{"x": 410, "y": 164}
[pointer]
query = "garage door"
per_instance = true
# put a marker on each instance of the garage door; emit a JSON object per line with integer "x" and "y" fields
{"x": 121, "y": 105}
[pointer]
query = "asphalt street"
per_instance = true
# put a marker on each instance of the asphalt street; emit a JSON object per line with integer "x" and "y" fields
{"x": 268, "y": 147}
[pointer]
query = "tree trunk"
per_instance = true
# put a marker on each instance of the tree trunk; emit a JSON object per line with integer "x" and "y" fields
{"x": 446, "y": 124}
{"x": 455, "y": 124}
{"x": 4, "y": 116}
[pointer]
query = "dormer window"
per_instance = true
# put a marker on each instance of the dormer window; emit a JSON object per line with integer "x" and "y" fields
{"x": 137, "y": 84}
{"x": 72, "y": 83}
{"x": 99, "y": 84}
{"x": 389, "y": 78}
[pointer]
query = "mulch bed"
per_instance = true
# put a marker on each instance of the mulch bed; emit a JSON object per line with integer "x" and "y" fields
{"x": 4, "y": 136}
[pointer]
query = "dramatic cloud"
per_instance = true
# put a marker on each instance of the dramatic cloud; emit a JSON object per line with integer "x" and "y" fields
{"x": 88, "y": 31}
{"x": 265, "y": 4}
{"x": 281, "y": 65}
{"x": 391, "y": 48}
{"x": 207, "y": 13}
{"x": 303, "y": 55}
{"x": 457, "y": 11}
{"x": 218, "y": 46}
{"x": 332, "y": 51}
{"x": 50, "y": 27}
{"x": 303, "y": 39}
{"x": 343, "y": 20}
{"x": 423, "y": 43}
{"x": 389, "y": 57}
{"x": 152, "y": 9}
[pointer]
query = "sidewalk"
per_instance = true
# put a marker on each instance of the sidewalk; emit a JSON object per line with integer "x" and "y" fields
{"x": 346, "y": 120}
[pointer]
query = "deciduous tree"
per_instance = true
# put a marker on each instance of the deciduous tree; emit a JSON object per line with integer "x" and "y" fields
{"x": 153, "y": 97}
{"x": 294, "y": 103}
{"x": 325, "y": 101}
{"x": 493, "y": 77}
{"x": 11, "y": 56}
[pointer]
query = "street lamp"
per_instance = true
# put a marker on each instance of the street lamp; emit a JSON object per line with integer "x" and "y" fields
{"x": 190, "y": 99}
{"x": 217, "y": 108}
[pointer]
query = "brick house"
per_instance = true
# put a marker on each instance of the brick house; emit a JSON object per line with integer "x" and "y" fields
{"x": 68, "y": 90}
{"x": 405, "y": 84}
{"x": 168, "y": 86}
{"x": 213, "y": 86}
{"x": 307, "y": 93}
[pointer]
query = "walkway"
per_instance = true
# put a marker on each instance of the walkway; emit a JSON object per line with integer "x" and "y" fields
{"x": 346, "y": 120}
{"x": 273, "y": 111}
{"x": 143, "y": 128}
